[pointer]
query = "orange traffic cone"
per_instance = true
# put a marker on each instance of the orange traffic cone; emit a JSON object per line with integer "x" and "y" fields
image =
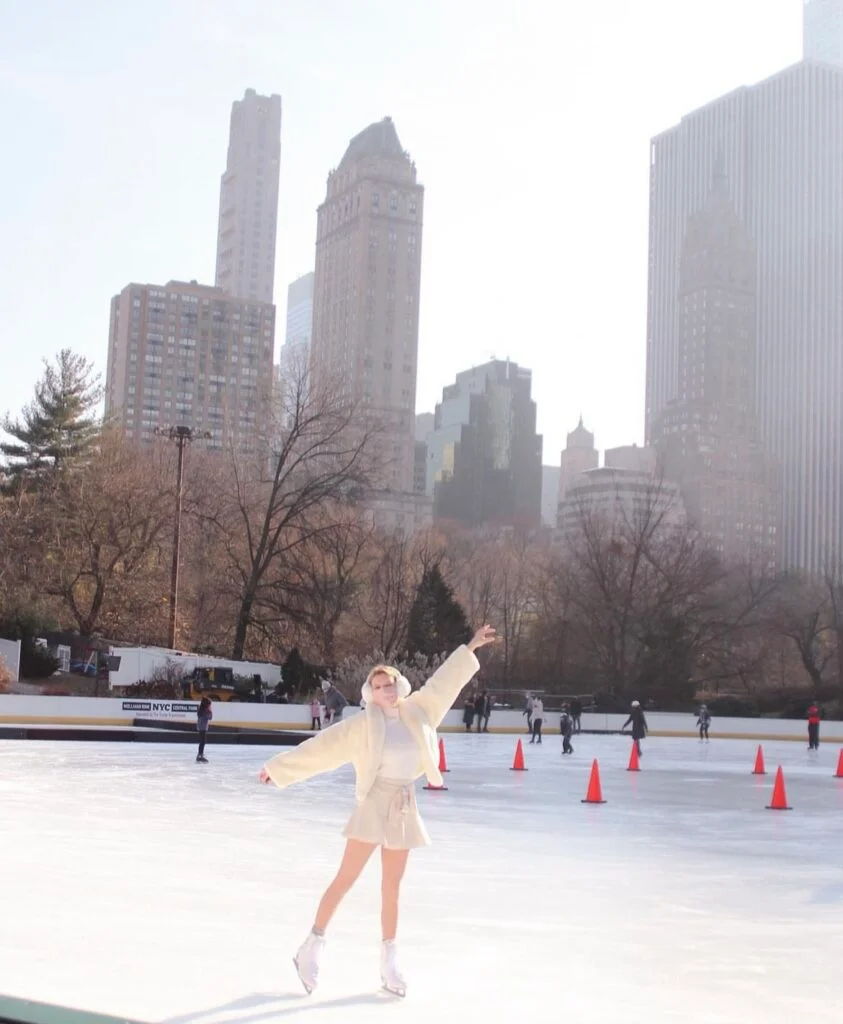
{"x": 779, "y": 795}
{"x": 518, "y": 761}
{"x": 839, "y": 773}
{"x": 594, "y": 794}
{"x": 759, "y": 768}
{"x": 634, "y": 764}
{"x": 443, "y": 767}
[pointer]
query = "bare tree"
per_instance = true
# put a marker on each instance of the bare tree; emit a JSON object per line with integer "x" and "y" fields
{"x": 396, "y": 569}
{"x": 805, "y": 614}
{"x": 315, "y": 451}
{"x": 558, "y": 656}
{"x": 640, "y": 576}
{"x": 328, "y": 572}
{"x": 105, "y": 527}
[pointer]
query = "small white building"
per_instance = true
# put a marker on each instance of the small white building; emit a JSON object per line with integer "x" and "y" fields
{"x": 621, "y": 496}
{"x": 139, "y": 663}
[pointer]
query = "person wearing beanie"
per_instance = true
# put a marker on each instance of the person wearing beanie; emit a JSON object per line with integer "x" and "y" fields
{"x": 335, "y": 702}
{"x": 391, "y": 742}
{"x": 638, "y": 722}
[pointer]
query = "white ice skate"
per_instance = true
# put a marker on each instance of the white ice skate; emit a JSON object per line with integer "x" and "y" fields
{"x": 391, "y": 977}
{"x": 307, "y": 961}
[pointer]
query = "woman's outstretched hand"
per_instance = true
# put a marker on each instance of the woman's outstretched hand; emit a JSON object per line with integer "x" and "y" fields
{"x": 485, "y": 635}
{"x": 263, "y": 776}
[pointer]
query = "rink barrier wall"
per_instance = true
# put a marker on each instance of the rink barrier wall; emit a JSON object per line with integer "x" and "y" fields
{"x": 18, "y": 709}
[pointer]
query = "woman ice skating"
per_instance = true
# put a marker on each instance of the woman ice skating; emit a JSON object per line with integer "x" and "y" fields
{"x": 638, "y": 722}
{"x": 204, "y": 714}
{"x": 390, "y": 743}
{"x": 704, "y": 721}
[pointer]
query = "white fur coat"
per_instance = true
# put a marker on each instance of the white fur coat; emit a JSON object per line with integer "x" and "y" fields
{"x": 359, "y": 740}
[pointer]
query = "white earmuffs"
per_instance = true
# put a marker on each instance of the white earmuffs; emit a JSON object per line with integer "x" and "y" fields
{"x": 402, "y": 683}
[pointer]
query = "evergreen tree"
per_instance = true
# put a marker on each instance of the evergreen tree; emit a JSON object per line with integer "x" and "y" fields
{"x": 59, "y": 424}
{"x": 293, "y": 673}
{"x": 437, "y": 621}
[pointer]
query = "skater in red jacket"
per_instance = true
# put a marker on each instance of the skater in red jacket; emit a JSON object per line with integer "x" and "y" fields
{"x": 814, "y": 717}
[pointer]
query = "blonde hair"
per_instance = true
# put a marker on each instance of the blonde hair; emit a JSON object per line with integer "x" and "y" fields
{"x": 383, "y": 670}
{"x": 401, "y": 682}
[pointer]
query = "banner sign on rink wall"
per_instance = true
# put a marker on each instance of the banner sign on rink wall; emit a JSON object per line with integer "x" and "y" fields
{"x": 171, "y": 709}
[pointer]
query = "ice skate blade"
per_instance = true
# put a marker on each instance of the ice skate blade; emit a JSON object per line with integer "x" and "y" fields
{"x": 308, "y": 989}
{"x": 400, "y": 993}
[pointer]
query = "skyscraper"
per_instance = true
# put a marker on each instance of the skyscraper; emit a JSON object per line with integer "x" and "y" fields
{"x": 294, "y": 357}
{"x": 187, "y": 354}
{"x": 300, "y": 310}
{"x": 484, "y": 455}
{"x": 780, "y": 146}
{"x": 366, "y": 292}
{"x": 248, "y": 214}
{"x": 822, "y": 22}
{"x": 578, "y": 456}
{"x": 707, "y": 437}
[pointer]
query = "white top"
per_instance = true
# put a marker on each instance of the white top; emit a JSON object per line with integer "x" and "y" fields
{"x": 538, "y": 708}
{"x": 401, "y": 760}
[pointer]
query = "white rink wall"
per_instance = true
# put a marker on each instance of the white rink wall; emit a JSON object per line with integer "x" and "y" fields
{"x": 115, "y": 711}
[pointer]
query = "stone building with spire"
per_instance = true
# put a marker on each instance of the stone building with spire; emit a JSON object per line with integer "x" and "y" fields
{"x": 366, "y": 292}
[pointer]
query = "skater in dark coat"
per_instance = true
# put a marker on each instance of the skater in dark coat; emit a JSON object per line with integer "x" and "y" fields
{"x": 566, "y": 727}
{"x": 638, "y": 722}
{"x": 704, "y": 721}
{"x": 528, "y": 712}
{"x": 483, "y": 709}
{"x": 814, "y": 718}
{"x": 204, "y": 714}
{"x": 468, "y": 714}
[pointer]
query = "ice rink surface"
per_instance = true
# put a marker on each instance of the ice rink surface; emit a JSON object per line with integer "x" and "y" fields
{"x": 134, "y": 881}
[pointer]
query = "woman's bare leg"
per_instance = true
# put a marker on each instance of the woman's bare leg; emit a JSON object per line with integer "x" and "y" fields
{"x": 354, "y": 859}
{"x": 393, "y": 865}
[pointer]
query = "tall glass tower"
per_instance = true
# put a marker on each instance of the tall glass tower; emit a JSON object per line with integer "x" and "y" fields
{"x": 780, "y": 145}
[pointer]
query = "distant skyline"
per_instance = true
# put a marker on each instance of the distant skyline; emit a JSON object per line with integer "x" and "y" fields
{"x": 533, "y": 146}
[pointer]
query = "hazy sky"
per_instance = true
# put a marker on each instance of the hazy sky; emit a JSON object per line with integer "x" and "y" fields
{"x": 529, "y": 123}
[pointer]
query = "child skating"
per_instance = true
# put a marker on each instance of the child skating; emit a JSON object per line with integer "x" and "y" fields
{"x": 390, "y": 743}
{"x": 315, "y": 715}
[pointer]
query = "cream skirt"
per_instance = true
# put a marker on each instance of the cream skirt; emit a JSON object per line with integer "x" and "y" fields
{"x": 388, "y": 817}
